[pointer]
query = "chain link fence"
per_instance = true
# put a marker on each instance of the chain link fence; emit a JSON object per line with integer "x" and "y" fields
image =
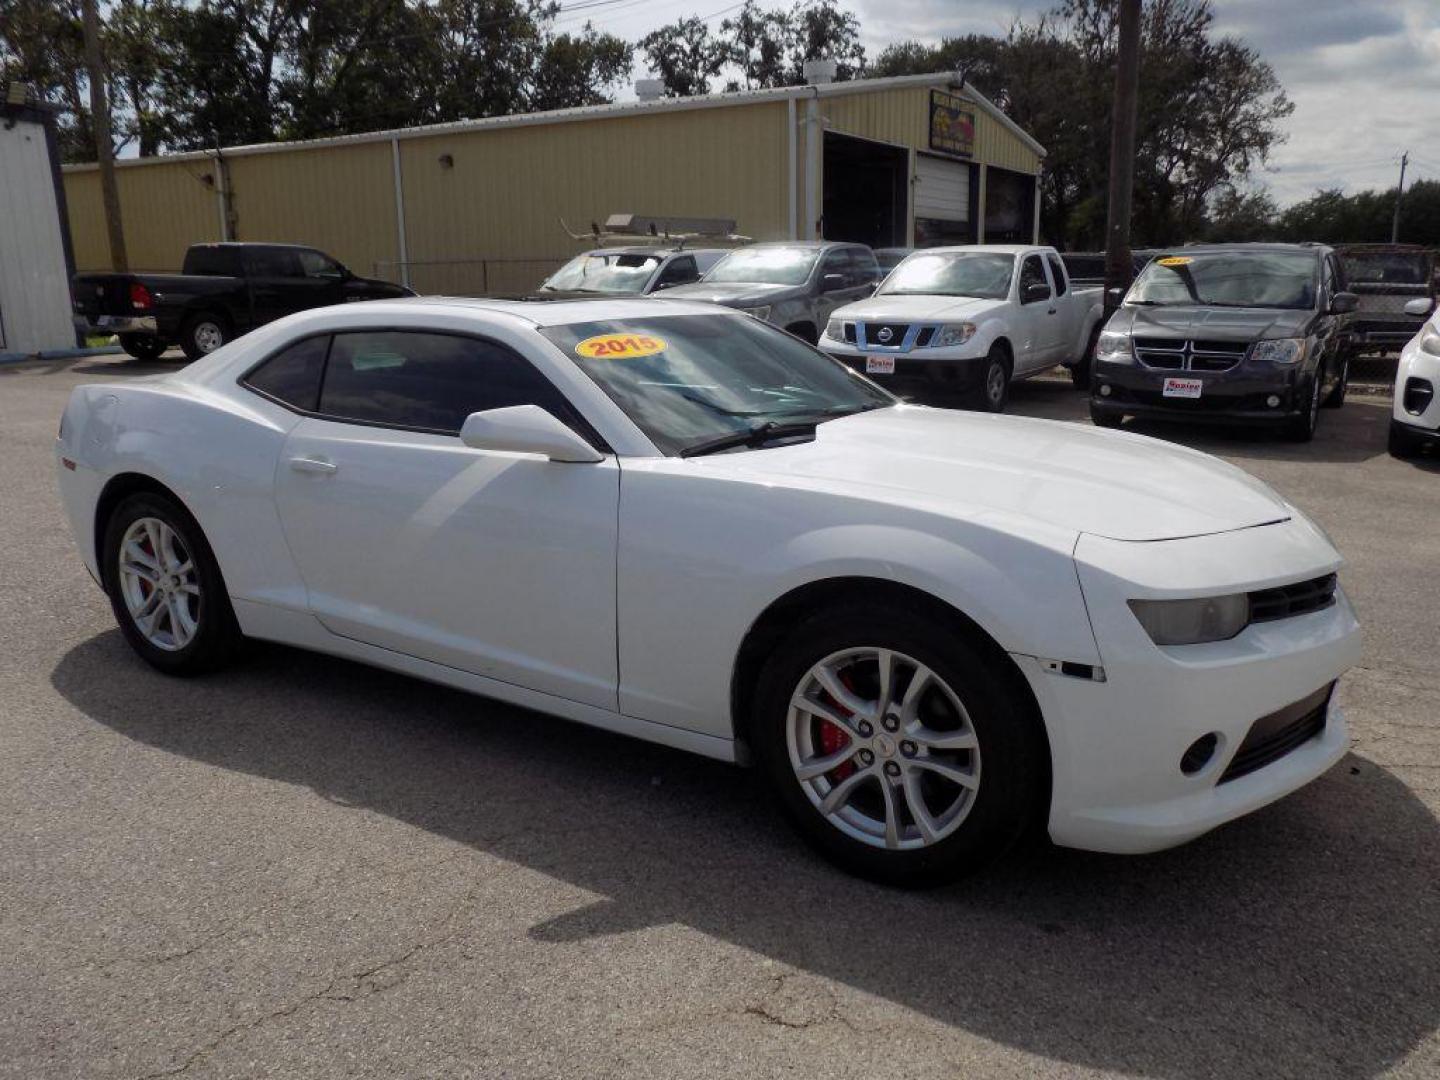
{"x": 469, "y": 277}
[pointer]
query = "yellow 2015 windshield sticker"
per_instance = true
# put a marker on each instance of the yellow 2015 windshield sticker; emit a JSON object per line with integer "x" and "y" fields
{"x": 620, "y": 346}
{"x": 1175, "y": 260}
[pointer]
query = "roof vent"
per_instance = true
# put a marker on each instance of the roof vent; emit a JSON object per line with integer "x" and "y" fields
{"x": 649, "y": 89}
{"x": 818, "y": 71}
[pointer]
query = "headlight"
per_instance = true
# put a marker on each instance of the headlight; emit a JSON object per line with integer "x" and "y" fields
{"x": 1114, "y": 347}
{"x": 835, "y": 330}
{"x": 1190, "y": 622}
{"x": 761, "y": 313}
{"x": 1430, "y": 341}
{"x": 1279, "y": 351}
{"x": 955, "y": 334}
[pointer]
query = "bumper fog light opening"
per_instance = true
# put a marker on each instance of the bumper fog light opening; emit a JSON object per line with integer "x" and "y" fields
{"x": 1105, "y": 390}
{"x": 1273, "y": 401}
{"x": 1199, "y": 754}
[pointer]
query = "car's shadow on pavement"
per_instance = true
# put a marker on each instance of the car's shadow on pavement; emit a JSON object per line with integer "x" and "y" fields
{"x": 1301, "y": 941}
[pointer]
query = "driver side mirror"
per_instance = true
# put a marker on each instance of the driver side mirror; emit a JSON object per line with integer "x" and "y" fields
{"x": 1342, "y": 303}
{"x": 1420, "y": 306}
{"x": 526, "y": 429}
{"x": 832, "y": 283}
{"x": 1035, "y": 292}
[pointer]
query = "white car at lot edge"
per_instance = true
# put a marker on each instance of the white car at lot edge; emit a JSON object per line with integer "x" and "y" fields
{"x": 967, "y": 320}
{"x": 1415, "y": 413}
{"x": 929, "y": 629}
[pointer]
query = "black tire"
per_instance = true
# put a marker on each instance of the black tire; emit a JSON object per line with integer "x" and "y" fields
{"x": 1012, "y": 752}
{"x": 1403, "y": 443}
{"x": 203, "y": 333}
{"x": 216, "y": 637}
{"x": 993, "y": 393}
{"x": 805, "y": 331}
{"x": 1080, "y": 371}
{"x": 1336, "y": 397}
{"x": 142, "y": 346}
{"x": 1301, "y": 428}
{"x": 1104, "y": 416}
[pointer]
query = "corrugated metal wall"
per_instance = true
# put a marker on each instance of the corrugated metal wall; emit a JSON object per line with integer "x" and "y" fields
{"x": 34, "y": 285}
{"x": 482, "y": 207}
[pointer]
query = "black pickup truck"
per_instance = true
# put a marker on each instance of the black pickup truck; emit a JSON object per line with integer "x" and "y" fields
{"x": 222, "y": 291}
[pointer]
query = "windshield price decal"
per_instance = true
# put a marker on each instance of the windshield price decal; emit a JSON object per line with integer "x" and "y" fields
{"x": 1175, "y": 260}
{"x": 620, "y": 346}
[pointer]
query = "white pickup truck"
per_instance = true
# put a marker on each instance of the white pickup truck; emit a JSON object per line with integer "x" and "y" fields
{"x": 966, "y": 321}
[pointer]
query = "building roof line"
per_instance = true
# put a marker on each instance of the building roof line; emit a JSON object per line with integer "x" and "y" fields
{"x": 953, "y": 81}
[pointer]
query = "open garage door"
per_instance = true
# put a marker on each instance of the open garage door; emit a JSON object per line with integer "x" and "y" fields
{"x": 865, "y": 197}
{"x": 943, "y": 208}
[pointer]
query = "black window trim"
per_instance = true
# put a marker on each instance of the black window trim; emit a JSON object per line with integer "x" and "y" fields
{"x": 576, "y": 423}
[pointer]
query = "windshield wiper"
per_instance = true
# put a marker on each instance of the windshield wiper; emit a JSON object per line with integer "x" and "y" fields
{"x": 755, "y": 436}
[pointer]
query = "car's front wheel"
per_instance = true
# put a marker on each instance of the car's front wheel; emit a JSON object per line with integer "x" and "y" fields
{"x": 895, "y": 747}
{"x": 994, "y": 391}
{"x": 165, "y": 587}
{"x": 1301, "y": 427}
{"x": 1336, "y": 397}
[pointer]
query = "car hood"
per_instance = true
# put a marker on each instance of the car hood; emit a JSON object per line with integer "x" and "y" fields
{"x": 897, "y": 308}
{"x": 735, "y": 293}
{"x": 1185, "y": 321}
{"x": 1070, "y": 476}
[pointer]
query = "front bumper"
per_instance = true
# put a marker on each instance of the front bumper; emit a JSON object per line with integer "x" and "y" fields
{"x": 933, "y": 370}
{"x": 1117, "y": 745}
{"x": 1416, "y": 372}
{"x": 1241, "y": 394}
{"x": 116, "y": 324}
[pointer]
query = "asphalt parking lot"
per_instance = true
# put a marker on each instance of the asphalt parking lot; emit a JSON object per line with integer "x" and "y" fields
{"x": 303, "y": 867}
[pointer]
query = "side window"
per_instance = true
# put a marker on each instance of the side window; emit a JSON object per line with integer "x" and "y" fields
{"x": 1057, "y": 273}
{"x": 267, "y": 262}
{"x": 864, "y": 270}
{"x": 429, "y": 381}
{"x": 1032, "y": 272}
{"x": 679, "y": 271}
{"x": 213, "y": 261}
{"x": 316, "y": 264}
{"x": 292, "y": 376}
{"x": 834, "y": 263}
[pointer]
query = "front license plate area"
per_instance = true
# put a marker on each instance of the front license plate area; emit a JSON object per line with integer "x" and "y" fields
{"x": 879, "y": 365}
{"x": 1182, "y": 388}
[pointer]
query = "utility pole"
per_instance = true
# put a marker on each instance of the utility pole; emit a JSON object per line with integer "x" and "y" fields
{"x": 100, "y": 125}
{"x": 1399, "y": 191}
{"x": 1119, "y": 266}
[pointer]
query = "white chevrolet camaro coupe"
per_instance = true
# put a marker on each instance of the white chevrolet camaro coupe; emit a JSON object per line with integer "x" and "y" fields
{"x": 930, "y": 630}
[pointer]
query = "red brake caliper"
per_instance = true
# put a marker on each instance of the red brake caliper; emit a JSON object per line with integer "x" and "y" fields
{"x": 834, "y": 738}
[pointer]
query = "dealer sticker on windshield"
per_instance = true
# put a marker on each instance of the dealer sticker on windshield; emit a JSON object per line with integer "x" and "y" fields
{"x": 620, "y": 346}
{"x": 1183, "y": 388}
{"x": 879, "y": 365}
{"x": 1175, "y": 260}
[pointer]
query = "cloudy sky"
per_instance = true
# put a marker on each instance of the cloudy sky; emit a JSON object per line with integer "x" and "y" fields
{"x": 1364, "y": 74}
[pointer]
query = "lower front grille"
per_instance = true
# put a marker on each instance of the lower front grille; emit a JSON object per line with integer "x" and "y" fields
{"x": 1285, "y": 601}
{"x": 1272, "y": 737}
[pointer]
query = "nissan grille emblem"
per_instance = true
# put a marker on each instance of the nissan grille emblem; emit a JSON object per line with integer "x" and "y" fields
{"x": 884, "y": 335}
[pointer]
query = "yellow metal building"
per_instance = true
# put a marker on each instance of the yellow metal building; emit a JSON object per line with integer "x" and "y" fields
{"x": 476, "y": 206}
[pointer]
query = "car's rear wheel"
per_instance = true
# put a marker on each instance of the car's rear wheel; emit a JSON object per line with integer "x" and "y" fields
{"x": 165, "y": 587}
{"x": 1301, "y": 428}
{"x": 894, "y": 746}
{"x": 994, "y": 391}
{"x": 142, "y": 346}
{"x": 202, "y": 334}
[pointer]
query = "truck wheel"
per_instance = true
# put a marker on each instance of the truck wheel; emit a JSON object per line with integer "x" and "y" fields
{"x": 202, "y": 334}
{"x": 1336, "y": 397}
{"x": 142, "y": 346}
{"x": 1080, "y": 370}
{"x": 994, "y": 390}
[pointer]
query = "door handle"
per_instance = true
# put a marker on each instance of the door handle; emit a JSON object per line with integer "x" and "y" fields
{"x": 313, "y": 465}
{"x": 1052, "y": 311}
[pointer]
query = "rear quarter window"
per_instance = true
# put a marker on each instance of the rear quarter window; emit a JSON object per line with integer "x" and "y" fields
{"x": 292, "y": 376}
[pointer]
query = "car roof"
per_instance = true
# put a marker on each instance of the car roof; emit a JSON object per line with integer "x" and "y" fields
{"x": 652, "y": 249}
{"x": 544, "y": 312}
{"x": 986, "y": 249}
{"x": 1204, "y": 249}
{"x": 811, "y": 244}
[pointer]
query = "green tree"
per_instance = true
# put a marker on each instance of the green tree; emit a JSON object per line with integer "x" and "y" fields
{"x": 41, "y": 43}
{"x": 685, "y": 55}
{"x": 821, "y": 30}
{"x": 1238, "y": 216}
{"x": 757, "y": 40}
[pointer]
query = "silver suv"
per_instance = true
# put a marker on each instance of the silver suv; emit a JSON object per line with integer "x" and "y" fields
{"x": 794, "y": 285}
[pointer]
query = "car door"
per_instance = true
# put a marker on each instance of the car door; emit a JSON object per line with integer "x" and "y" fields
{"x": 680, "y": 270}
{"x": 326, "y": 281}
{"x": 494, "y": 563}
{"x": 1035, "y": 318}
{"x": 277, "y": 281}
{"x": 834, "y": 263}
{"x": 1067, "y": 315}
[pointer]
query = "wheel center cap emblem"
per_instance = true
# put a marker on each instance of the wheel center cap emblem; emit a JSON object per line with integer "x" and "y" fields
{"x": 884, "y": 335}
{"x": 884, "y": 745}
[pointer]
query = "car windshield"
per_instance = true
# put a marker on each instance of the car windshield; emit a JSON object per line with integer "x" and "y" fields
{"x": 1388, "y": 267}
{"x": 603, "y": 272}
{"x": 1246, "y": 279}
{"x": 690, "y": 379}
{"x": 765, "y": 266}
{"x": 986, "y": 276}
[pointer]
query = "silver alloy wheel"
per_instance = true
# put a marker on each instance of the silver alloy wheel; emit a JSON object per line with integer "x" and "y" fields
{"x": 208, "y": 336}
{"x": 160, "y": 584}
{"x": 995, "y": 383}
{"x": 883, "y": 748}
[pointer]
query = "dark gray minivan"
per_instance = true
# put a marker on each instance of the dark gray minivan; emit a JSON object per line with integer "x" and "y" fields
{"x": 1237, "y": 333}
